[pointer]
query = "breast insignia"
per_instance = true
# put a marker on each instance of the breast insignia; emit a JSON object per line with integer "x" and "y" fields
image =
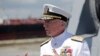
{"x": 77, "y": 38}
{"x": 66, "y": 51}
{"x": 45, "y": 42}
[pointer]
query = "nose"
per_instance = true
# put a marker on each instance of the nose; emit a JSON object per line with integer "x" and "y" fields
{"x": 42, "y": 21}
{"x": 45, "y": 25}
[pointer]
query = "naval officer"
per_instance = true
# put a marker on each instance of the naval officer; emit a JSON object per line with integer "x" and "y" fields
{"x": 61, "y": 43}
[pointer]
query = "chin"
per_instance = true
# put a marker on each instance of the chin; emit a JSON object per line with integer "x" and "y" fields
{"x": 48, "y": 34}
{"x": 51, "y": 35}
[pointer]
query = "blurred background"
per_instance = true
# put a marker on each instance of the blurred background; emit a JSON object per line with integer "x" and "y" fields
{"x": 21, "y": 18}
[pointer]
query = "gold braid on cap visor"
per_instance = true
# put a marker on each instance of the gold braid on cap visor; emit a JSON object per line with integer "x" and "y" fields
{"x": 47, "y": 17}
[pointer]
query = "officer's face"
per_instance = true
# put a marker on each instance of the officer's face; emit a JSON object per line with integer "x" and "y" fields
{"x": 54, "y": 27}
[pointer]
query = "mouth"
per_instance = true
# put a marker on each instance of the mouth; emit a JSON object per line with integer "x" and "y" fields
{"x": 47, "y": 32}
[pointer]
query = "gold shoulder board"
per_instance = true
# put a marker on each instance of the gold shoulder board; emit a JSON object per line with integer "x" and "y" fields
{"x": 77, "y": 38}
{"x": 45, "y": 42}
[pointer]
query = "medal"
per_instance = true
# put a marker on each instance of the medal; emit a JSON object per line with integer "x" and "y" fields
{"x": 66, "y": 51}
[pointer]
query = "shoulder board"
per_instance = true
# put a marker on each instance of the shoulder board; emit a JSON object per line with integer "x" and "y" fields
{"x": 45, "y": 42}
{"x": 77, "y": 38}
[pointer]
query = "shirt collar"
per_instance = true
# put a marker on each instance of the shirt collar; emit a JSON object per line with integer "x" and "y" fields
{"x": 58, "y": 40}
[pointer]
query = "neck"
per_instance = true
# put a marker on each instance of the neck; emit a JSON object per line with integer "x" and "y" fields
{"x": 58, "y": 34}
{"x": 64, "y": 32}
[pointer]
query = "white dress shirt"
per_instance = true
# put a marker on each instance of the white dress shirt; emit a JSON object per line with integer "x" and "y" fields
{"x": 60, "y": 42}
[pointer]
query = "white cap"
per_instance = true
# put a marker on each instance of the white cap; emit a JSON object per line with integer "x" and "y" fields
{"x": 48, "y": 8}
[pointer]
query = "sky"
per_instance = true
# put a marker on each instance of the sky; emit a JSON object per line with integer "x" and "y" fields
{"x": 25, "y": 8}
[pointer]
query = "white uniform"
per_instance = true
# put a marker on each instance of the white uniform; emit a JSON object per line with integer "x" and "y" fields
{"x": 64, "y": 44}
